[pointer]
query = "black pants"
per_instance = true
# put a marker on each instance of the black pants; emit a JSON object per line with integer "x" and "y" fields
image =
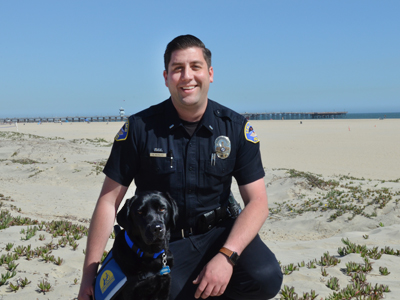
{"x": 257, "y": 274}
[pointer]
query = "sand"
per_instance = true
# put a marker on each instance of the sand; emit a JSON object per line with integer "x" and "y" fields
{"x": 47, "y": 178}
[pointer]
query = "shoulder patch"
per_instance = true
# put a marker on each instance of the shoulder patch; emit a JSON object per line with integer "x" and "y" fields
{"x": 123, "y": 132}
{"x": 250, "y": 134}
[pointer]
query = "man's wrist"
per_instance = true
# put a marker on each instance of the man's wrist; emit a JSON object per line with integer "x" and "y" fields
{"x": 232, "y": 256}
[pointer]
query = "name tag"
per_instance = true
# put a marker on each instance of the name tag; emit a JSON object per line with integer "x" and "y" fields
{"x": 158, "y": 154}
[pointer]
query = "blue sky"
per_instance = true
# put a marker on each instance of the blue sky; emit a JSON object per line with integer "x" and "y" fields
{"x": 72, "y": 58}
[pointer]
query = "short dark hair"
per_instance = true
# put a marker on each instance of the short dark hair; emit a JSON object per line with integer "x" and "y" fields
{"x": 183, "y": 42}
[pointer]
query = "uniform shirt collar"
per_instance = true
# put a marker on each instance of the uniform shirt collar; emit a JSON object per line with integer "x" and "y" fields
{"x": 207, "y": 121}
{"x": 208, "y": 118}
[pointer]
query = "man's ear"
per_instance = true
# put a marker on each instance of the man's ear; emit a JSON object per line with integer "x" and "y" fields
{"x": 174, "y": 210}
{"x": 165, "y": 74}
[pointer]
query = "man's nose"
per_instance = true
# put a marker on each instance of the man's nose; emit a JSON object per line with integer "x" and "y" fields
{"x": 187, "y": 74}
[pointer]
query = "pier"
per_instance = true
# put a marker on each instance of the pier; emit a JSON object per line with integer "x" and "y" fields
{"x": 294, "y": 115}
{"x": 122, "y": 117}
{"x": 65, "y": 119}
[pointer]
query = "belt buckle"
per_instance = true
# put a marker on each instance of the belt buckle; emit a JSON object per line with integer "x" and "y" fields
{"x": 183, "y": 233}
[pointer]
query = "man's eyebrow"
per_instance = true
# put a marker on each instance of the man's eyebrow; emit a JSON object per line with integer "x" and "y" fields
{"x": 192, "y": 62}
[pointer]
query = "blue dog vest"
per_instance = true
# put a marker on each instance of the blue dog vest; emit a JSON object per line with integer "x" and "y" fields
{"x": 110, "y": 279}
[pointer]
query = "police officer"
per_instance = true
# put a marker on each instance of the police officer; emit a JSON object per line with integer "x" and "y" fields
{"x": 191, "y": 146}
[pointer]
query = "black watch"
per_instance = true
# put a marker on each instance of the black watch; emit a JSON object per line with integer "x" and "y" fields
{"x": 232, "y": 255}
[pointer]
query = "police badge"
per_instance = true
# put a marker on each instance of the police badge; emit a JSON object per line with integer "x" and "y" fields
{"x": 222, "y": 146}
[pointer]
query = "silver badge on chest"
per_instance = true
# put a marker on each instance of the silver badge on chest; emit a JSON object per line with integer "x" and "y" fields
{"x": 222, "y": 146}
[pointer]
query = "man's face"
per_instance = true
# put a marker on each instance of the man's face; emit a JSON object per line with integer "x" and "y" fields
{"x": 188, "y": 78}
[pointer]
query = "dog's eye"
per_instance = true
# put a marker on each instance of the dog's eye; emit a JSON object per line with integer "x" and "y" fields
{"x": 161, "y": 209}
{"x": 139, "y": 212}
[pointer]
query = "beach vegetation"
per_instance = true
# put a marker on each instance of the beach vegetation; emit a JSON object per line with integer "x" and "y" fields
{"x": 105, "y": 253}
{"x": 44, "y": 287}
{"x": 383, "y": 271}
{"x": 6, "y": 276}
{"x": 9, "y": 246}
{"x": 97, "y": 142}
{"x": 14, "y": 288}
{"x": 328, "y": 260}
{"x": 24, "y": 136}
{"x": 58, "y": 261}
{"x": 97, "y": 166}
{"x": 24, "y": 161}
{"x": 20, "y": 283}
{"x": 312, "y": 264}
{"x": 48, "y": 258}
{"x": 289, "y": 269}
{"x": 288, "y": 293}
{"x": 338, "y": 198}
{"x": 333, "y": 283}
{"x": 11, "y": 266}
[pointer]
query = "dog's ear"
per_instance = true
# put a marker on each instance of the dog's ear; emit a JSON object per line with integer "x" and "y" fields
{"x": 174, "y": 209}
{"x": 123, "y": 218}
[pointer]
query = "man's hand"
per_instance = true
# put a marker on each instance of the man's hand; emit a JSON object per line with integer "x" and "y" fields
{"x": 214, "y": 277}
{"x": 86, "y": 292}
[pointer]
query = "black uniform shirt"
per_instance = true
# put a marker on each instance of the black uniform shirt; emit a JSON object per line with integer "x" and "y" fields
{"x": 155, "y": 150}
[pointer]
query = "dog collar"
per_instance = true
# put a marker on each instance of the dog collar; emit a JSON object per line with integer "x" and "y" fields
{"x": 138, "y": 251}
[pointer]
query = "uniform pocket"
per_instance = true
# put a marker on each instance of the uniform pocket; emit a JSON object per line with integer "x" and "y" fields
{"x": 215, "y": 180}
{"x": 157, "y": 165}
{"x": 222, "y": 167}
{"x": 156, "y": 174}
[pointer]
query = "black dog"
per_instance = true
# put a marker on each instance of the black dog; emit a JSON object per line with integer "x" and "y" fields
{"x": 141, "y": 249}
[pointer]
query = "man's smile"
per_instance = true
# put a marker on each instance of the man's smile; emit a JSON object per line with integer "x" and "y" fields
{"x": 188, "y": 87}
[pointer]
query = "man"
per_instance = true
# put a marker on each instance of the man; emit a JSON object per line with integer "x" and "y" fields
{"x": 176, "y": 146}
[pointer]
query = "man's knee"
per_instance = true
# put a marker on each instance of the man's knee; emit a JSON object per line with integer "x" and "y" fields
{"x": 270, "y": 282}
{"x": 261, "y": 284}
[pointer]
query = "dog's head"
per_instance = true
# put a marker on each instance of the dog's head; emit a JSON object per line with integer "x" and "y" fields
{"x": 150, "y": 216}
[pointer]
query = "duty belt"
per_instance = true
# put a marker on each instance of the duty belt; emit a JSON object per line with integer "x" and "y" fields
{"x": 204, "y": 223}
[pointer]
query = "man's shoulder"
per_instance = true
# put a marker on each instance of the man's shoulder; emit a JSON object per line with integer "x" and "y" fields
{"x": 222, "y": 111}
{"x": 151, "y": 112}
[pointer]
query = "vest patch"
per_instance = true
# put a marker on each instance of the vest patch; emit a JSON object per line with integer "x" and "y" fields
{"x": 106, "y": 279}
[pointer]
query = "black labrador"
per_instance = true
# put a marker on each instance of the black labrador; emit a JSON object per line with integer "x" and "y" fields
{"x": 141, "y": 249}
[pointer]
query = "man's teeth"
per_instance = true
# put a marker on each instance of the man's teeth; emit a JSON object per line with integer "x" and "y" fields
{"x": 188, "y": 87}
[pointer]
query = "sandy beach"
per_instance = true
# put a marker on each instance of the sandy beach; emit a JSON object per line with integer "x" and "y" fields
{"x": 333, "y": 188}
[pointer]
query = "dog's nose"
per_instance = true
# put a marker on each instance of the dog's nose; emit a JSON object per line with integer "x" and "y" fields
{"x": 157, "y": 229}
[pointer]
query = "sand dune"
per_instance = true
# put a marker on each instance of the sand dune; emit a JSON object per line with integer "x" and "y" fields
{"x": 345, "y": 187}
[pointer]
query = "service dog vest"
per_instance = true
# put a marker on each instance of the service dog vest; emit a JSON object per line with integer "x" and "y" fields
{"x": 110, "y": 279}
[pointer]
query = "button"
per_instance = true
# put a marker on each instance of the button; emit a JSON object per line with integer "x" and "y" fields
{"x": 189, "y": 191}
{"x": 190, "y": 168}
